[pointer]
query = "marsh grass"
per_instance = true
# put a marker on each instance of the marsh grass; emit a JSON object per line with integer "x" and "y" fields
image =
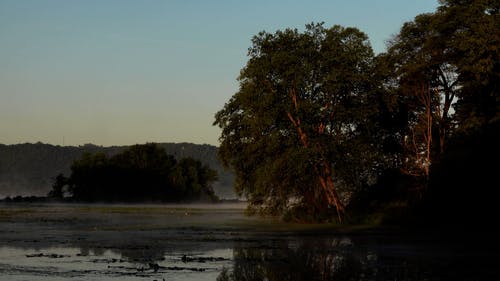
{"x": 202, "y": 217}
{"x": 9, "y": 213}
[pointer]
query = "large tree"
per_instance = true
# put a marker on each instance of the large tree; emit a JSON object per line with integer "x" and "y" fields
{"x": 444, "y": 68}
{"x": 442, "y": 72}
{"x": 462, "y": 185}
{"x": 471, "y": 31}
{"x": 425, "y": 82}
{"x": 298, "y": 130}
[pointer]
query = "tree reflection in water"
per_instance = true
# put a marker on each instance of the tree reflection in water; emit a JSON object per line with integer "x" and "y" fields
{"x": 325, "y": 259}
{"x": 342, "y": 259}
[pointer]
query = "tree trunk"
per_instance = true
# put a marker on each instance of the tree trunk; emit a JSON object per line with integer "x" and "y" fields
{"x": 323, "y": 169}
{"x": 324, "y": 174}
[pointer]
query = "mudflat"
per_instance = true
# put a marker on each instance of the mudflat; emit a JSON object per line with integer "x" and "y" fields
{"x": 217, "y": 242}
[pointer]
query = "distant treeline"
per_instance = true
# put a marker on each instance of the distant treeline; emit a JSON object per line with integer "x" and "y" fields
{"x": 29, "y": 169}
{"x": 141, "y": 173}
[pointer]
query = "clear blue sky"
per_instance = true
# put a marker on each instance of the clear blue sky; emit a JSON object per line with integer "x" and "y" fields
{"x": 124, "y": 72}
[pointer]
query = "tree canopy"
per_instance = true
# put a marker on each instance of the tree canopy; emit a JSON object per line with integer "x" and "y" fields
{"x": 296, "y": 131}
{"x": 319, "y": 122}
{"x": 138, "y": 174}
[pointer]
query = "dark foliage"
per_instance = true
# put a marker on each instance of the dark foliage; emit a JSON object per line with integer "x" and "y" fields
{"x": 141, "y": 173}
{"x": 297, "y": 133}
{"x": 29, "y": 169}
{"x": 462, "y": 188}
{"x": 319, "y": 121}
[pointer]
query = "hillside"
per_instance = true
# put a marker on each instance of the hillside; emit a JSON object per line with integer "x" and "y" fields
{"x": 29, "y": 169}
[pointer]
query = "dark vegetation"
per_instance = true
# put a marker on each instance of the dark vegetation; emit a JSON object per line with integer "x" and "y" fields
{"x": 29, "y": 170}
{"x": 141, "y": 173}
{"x": 322, "y": 129}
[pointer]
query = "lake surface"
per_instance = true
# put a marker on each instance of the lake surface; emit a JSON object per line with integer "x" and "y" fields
{"x": 218, "y": 242}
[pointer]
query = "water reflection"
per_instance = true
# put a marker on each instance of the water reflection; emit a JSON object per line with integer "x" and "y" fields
{"x": 243, "y": 257}
{"x": 326, "y": 259}
{"x": 133, "y": 253}
{"x": 135, "y": 243}
{"x": 358, "y": 259}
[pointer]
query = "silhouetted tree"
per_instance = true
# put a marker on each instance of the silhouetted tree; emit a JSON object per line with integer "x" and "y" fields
{"x": 60, "y": 182}
{"x": 139, "y": 173}
{"x": 191, "y": 179}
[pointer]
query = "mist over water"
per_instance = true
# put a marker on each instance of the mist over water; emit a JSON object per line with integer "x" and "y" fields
{"x": 210, "y": 241}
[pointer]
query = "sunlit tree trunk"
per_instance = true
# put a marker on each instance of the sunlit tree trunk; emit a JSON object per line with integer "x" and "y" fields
{"x": 419, "y": 142}
{"x": 424, "y": 95}
{"x": 323, "y": 169}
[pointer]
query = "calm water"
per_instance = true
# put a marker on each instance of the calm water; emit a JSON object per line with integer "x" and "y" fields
{"x": 110, "y": 242}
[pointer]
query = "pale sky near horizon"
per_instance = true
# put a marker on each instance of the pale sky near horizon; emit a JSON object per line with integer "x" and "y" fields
{"x": 124, "y": 72}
